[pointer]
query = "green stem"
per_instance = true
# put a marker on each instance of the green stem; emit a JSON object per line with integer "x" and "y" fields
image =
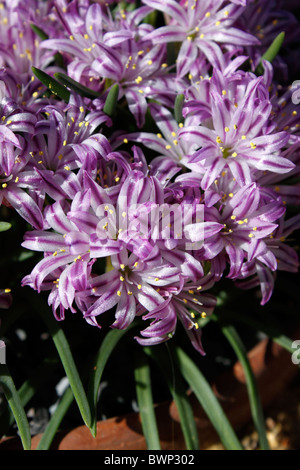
{"x": 253, "y": 393}
{"x": 13, "y": 399}
{"x": 207, "y": 399}
{"x": 145, "y": 402}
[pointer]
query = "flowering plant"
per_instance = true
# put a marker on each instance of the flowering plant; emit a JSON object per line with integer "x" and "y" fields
{"x": 149, "y": 170}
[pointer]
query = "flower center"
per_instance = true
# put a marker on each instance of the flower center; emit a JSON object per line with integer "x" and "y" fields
{"x": 226, "y": 151}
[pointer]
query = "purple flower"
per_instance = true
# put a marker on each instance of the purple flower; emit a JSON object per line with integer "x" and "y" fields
{"x": 140, "y": 264}
{"x": 16, "y": 130}
{"x": 259, "y": 273}
{"x": 146, "y": 231}
{"x": 266, "y": 20}
{"x": 202, "y": 28}
{"x": 187, "y": 304}
{"x": 247, "y": 220}
{"x": 166, "y": 142}
{"x": 71, "y": 247}
{"x": 19, "y": 45}
{"x": 65, "y": 140}
{"x": 234, "y": 130}
{"x": 103, "y": 51}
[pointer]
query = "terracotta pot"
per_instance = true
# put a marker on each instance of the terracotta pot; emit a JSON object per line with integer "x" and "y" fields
{"x": 272, "y": 366}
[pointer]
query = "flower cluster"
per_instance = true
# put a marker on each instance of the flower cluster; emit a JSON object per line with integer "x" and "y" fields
{"x": 162, "y": 163}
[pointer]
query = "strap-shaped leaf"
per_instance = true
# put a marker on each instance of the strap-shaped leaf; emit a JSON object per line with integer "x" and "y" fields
{"x": 109, "y": 343}
{"x": 107, "y": 347}
{"x": 255, "y": 403}
{"x": 26, "y": 392}
{"x": 178, "y": 391}
{"x": 56, "y": 419}
{"x": 39, "y": 32}
{"x": 4, "y": 226}
{"x": 275, "y": 47}
{"x": 11, "y": 394}
{"x": 145, "y": 402}
{"x": 111, "y": 100}
{"x": 264, "y": 326}
{"x": 53, "y": 85}
{"x": 271, "y": 53}
{"x": 207, "y": 399}
{"x": 178, "y": 108}
{"x": 76, "y": 86}
{"x": 65, "y": 354}
{"x": 68, "y": 363}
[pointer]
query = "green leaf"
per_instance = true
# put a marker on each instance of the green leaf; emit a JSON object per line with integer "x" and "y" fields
{"x": 255, "y": 403}
{"x": 65, "y": 354}
{"x": 26, "y": 392}
{"x": 68, "y": 363}
{"x": 76, "y": 86}
{"x": 207, "y": 399}
{"x": 111, "y": 100}
{"x": 39, "y": 32}
{"x": 151, "y": 18}
{"x": 178, "y": 391}
{"x": 12, "y": 396}
{"x": 267, "y": 328}
{"x": 145, "y": 402}
{"x": 4, "y": 226}
{"x": 107, "y": 347}
{"x": 109, "y": 343}
{"x": 178, "y": 108}
{"x": 56, "y": 419}
{"x": 271, "y": 53}
{"x": 53, "y": 85}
